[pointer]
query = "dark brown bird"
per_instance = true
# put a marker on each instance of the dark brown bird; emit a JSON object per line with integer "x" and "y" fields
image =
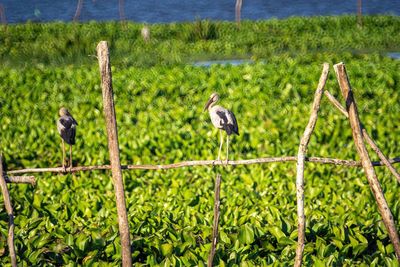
{"x": 66, "y": 126}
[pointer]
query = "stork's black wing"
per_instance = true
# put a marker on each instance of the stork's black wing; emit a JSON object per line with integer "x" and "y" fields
{"x": 233, "y": 122}
{"x": 228, "y": 121}
{"x": 66, "y": 126}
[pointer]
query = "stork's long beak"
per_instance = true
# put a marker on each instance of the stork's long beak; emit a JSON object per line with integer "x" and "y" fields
{"x": 208, "y": 103}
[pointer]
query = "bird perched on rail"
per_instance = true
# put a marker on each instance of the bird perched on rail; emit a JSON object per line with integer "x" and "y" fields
{"x": 222, "y": 119}
{"x": 66, "y": 126}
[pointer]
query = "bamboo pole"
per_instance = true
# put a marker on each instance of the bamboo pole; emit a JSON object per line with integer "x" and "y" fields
{"x": 367, "y": 138}
{"x": 9, "y": 209}
{"x": 78, "y": 12}
{"x": 183, "y": 164}
{"x": 354, "y": 120}
{"x": 217, "y": 202}
{"x": 300, "y": 164}
{"x": 3, "y": 19}
{"x": 238, "y": 11}
{"x": 359, "y": 13}
{"x": 112, "y": 135}
{"x": 121, "y": 9}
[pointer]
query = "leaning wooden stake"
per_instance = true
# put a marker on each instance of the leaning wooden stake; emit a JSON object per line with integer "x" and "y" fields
{"x": 217, "y": 202}
{"x": 367, "y": 138}
{"x": 112, "y": 135}
{"x": 9, "y": 209}
{"x": 300, "y": 164}
{"x": 351, "y": 108}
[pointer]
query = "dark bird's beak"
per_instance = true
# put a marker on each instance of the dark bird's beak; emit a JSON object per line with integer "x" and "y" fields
{"x": 208, "y": 104}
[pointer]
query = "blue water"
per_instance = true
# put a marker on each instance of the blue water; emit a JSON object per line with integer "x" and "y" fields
{"x": 394, "y": 55}
{"x": 233, "y": 62}
{"x": 158, "y": 11}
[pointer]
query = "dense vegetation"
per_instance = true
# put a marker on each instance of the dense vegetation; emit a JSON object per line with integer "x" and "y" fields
{"x": 58, "y": 43}
{"x": 71, "y": 219}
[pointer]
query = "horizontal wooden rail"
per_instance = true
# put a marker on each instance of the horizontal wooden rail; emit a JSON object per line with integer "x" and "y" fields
{"x": 21, "y": 180}
{"x": 319, "y": 160}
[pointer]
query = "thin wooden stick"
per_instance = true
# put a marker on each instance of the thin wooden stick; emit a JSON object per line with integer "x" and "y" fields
{"x": 217, "y": 202}
{"x": 3, "y": 19}
{"x": 351, "y": 108}
{"x": 121, "y": 8}
{"x": 359, "y": 13}
{"x": 238, "y": 11}
{"x": 336, "y": 103}
{"x": 300, "y": 164}
{"x": 367, "y": 138}
{"x": 379, "y": 153}
{"x": 9, "y": 209}
{"x": 112, "y": 135}
{"x": 183, "y": 164}
{"x": 78, "y": 10}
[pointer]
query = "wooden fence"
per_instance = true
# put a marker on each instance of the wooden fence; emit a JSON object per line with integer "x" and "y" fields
{"x": 350, "y": 111}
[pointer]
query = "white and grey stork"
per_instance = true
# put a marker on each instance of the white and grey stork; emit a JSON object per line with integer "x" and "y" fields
{"x": 222, "y": 119}
{"x": 66, "y": 126}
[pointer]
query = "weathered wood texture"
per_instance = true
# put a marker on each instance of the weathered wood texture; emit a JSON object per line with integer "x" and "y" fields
{"x": 21, "y": 180}
{"x": 300, "y": 164}
{"x": 238, "y": 11}
{"x": 318, "y": 160}
{"x": 9, "y": 209}
{"x": 355, "y": 124}
{"x": 217, "y": 202}
{"x": 112, "y": 135}
{"x": 366, "y": 136}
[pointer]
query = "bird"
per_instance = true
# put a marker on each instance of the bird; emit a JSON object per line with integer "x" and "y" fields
{"x": 66, "y": 126}
{"x": 145, "y": 33}
{"x": 222, "y": 119}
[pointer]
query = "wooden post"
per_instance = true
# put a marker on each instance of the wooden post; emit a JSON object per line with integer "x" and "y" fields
{"x": 359, "y": 13}
{"x": 112, "y": 135}
{"x": 355, "y": 124}
{"x": 238, "y": 11}
{"x": 9, "y": 209}
{"x": 121, "y": 8}
{"x": 78, "y": 10}
{"x": 217, "y": 202}
{"x": 300, "y": 164}
{"x": 367, "y": 138}
{"x": 3, "y": 15}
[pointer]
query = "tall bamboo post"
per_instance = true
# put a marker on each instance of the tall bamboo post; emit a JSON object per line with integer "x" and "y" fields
{"x": 217, "y": 202}
{"x": 367, "y": 138}
{"x": 9, "y": 209}
{"x": 112, "y": 135}
{"x": 300, "y": 164}
{"x": 355, "y": 124}
{"x": 238, "y": 12}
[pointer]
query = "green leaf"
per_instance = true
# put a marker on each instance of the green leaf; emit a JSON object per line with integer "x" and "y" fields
{"x": 166, "y": 249}
{"x": 246, "y": 234}
{"x": 276, "y": 232}
{"x": 224, "y": 237}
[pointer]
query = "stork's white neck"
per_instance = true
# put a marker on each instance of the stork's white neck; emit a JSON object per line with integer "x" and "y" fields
{"x": 212, "y": 105}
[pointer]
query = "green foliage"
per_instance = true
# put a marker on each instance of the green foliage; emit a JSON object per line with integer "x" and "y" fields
{"x": 70, "y": 220}
{"x": 203, "y": 30}
{"x": 72, "y": 43}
